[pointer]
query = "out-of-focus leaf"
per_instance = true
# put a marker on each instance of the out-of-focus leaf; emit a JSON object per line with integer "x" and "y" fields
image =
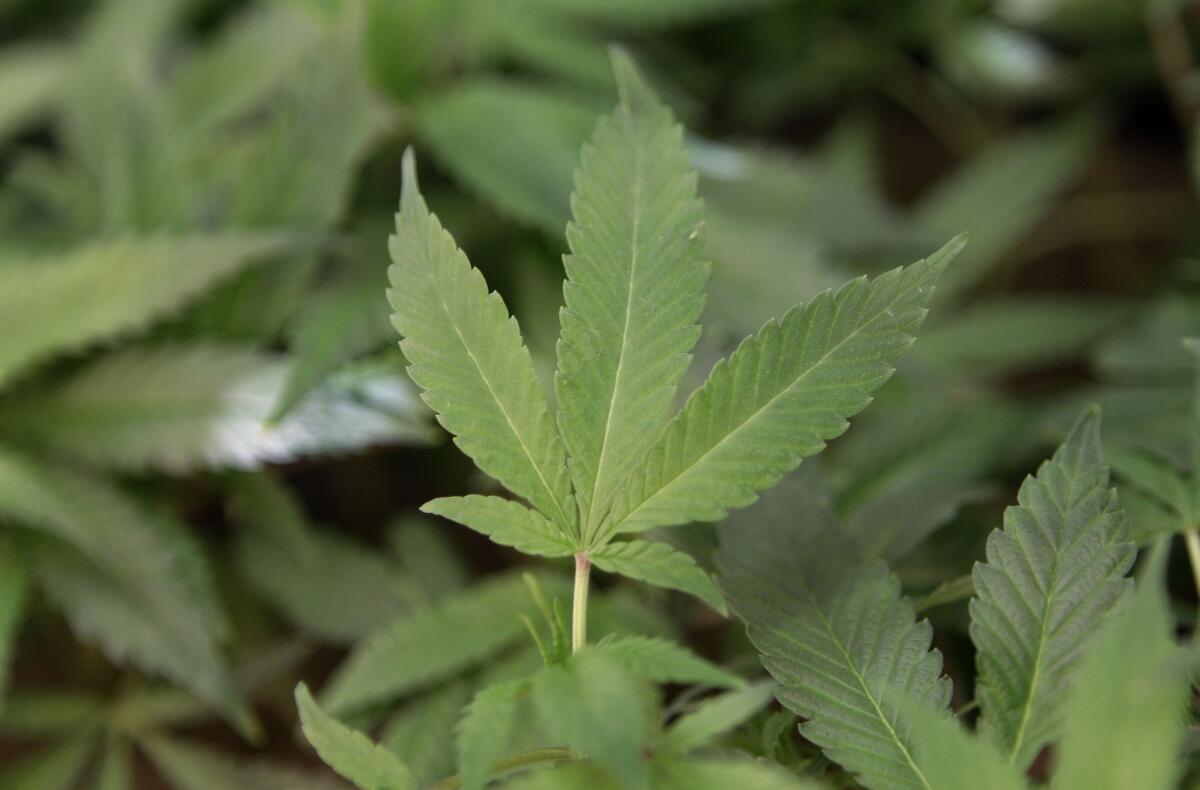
{"x": 349, "y": 752}
{"x": 428, "y": 555}
{"x": 417, "y": 733}
{"x": 1150, "y": 352}
{"x": 716, "y": 716}
{"x": 342, "y": 320}
{"x": 516, "y": 145}
{"x": 115, "y": 771}
{"x": 182, "y": 407}
{"x": 662, "y": 12}
{"x": 486, "y": 730}
{"x": 49, "y": 713}
{"x": 458, "y": 632}
{"x": 1126, "y": 719}
{"x": 114, "y": 287}
{"x": 29, "y": 81}
{"x": 1000, "y": 194}
{"x": 599, "y": 708}
{"x": 326, "y": 584}
{"x": 14, "y": 591}
{"x": 663, "y": 661}
{"x": 953, "y": 757}
{"x": 56, "y": 768}
{"x": 190, "y": 766}
{"x": 1017, "y": 332}
{"x": 710, "y": 773}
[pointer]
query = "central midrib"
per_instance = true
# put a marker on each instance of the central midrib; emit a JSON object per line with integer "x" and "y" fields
{"x": 633, "y": 262}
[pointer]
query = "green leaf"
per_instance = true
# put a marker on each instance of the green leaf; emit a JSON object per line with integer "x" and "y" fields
{"x": 486, "y": 730}
{"x": 505, "y": 522}
{"x": 56, "y": 768}
{"x": 715, "y": 717}
{"x": 191, "y": 766}
{"x": 711, "y": 773}
{"x": 460, "y": 631}
{"x": 1014, "y": 333}
{"x": 160, "y": 636}
{"x": 778, "y": 399}
{"x": 1051, "y": 574}
{"x": 329, "y": 586}
{"x": 1125, "y": 722}
{"x": 467, "y": 355}
{"x": 49, "y": 713}
{"x": 522, "y": 159}
{"x": 115, "y": 771}
{"x": 833, "y": 630}
{"x": 663, "y": 661}
{"x": 186, "y": 406}
{"x": 14, "y": 593}
{"x": 349, "y": 752}
{"x": 344, "y": 319}
{"x": 29, "y": 82}
{"x": 417, "y": 733}
{"x": 634, "y": 289}
{"x": 1001, "y": 193}
{"x": 598, "y": 708}
{"x": 115, "y": 287}
{"x": 660, "y": 565}
{"x": 952, "y": 758}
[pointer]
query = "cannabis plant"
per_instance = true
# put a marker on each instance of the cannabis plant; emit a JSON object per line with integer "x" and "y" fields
{"x": 609, "y": 464}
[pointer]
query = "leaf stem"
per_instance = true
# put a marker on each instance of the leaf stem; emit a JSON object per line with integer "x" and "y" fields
{"x": 583, "y": 567}
{"x": 1191, "y": 537}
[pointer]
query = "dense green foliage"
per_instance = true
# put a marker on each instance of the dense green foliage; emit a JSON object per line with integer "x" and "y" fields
{"x": 739, "y": 336}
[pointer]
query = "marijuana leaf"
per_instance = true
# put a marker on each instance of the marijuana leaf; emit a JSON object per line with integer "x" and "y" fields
{"x": 833, "y": 630}
{"x": 349, "y": 752}
{"x": 778, "y": 399}
{"x": 634, "y": 289}
{"x": 1051, "y": 574}
{"x": 466, "y": 353}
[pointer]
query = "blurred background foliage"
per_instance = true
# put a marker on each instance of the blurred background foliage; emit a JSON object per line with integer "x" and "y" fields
{"x": 210, "y": 457}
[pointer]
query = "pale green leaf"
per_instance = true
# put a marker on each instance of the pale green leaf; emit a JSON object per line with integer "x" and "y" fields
{"x": 1052, "y": 573}
{"x": 1019, "y": 332}
{"x": 340, "y": 321}
{"x": 417, "y": 733}
{"x": 49, "y": 713}
{"x": 662, "y": 12}
{"x": 998, "y": 195}
{"x": 29, "y": 82}
{"x": 331, "y": 587}
{"x": 505, "y": 522}
{"x": 953, "y": 758}
{"x": 1126, "y": 720}
{"x": 600, "y": 709}
{"x": 522, "y": 159}
{"x": 191, "y": 766}
{"x": 114, "y": 287}
{"x": 467, "y": 355}
{"x": 349, "y": 752}
{"x": 634, "y": 289}
{"x": 663, "y": 661}
{"x": 716, "y": 716}
{"x": 660, "y": 565}
{"x": 487, "y": 729}
{"x": 459, "y": 632}
{"x": 833, "y": 630}
{"x": 186, "y": 406}
{"x": 784, "y": 393}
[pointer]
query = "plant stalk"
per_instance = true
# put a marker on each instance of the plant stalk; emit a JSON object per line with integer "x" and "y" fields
{"x": 1191, "y": 537}
{"x": 583, "y": 567}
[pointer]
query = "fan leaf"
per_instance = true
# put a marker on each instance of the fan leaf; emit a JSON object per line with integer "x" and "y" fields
{"x": 1052, "y": 573}
{"x": 660, "y": 565}
{"x": 634, "y": 289}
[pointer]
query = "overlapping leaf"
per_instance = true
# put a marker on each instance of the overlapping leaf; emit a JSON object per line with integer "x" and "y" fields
{"x": 784, "y": 393}
{"x": 1051, "y": 575}
{"x": 634, "y": 289}
{"x": 466, "y": 353}
{"x": 833, "y": 630}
